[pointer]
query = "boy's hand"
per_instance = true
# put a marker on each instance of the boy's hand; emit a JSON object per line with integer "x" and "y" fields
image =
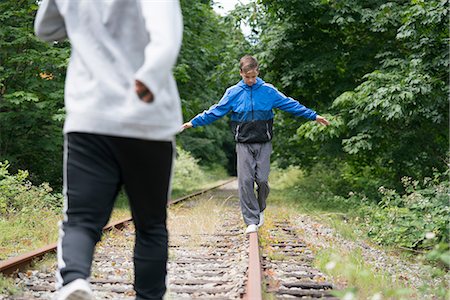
{"x": 185, "y": 126}
{"x": 143, "y": 92}
{"x": 322, "y": 120}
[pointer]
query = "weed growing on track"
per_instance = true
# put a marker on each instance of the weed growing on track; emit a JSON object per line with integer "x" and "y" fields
{"x": 7, "y": 286}
{"x": 362, "y": 280}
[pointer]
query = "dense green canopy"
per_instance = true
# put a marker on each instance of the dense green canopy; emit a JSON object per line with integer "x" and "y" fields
{"x": 378, "y": 70}
{"x": 32, "y": 75}
{"x": 31, "y": 94}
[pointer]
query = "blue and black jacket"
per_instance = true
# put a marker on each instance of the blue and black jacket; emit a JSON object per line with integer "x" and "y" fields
{"x": 251, "y": 111}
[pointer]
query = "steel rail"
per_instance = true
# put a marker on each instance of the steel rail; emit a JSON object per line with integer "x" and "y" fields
{"x": 18, "y": 263}
{"x": 200, "y": 192}
{"x": 253, "y": 289}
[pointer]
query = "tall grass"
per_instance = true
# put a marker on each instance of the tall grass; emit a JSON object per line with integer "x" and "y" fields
{"x": 197, "y": 220}
{"x": 362, "y": 280}
{"x": 27, "y": 213}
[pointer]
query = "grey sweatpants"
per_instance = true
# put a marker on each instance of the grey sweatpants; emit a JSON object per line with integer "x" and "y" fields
{"x": 253, "y": 165}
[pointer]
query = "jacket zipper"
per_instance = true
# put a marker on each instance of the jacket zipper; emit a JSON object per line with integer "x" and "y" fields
{"x": 237, "y": 133}
{"x": 251, "y": 100}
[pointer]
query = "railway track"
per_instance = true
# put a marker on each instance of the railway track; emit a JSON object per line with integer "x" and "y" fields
{"x": 22, "y": 261}
{"x": 209, "y": 258}
{"x": 287, "y": 264}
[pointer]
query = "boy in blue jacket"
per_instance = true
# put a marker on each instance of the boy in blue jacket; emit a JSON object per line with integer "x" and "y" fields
{"x": 251, "y": 102}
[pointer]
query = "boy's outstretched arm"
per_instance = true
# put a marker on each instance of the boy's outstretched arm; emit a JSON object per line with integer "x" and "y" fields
{"x": 214, "y": 113}
{"x": 294, "y": 107}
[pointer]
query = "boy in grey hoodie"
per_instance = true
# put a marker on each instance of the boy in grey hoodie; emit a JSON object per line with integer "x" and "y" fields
{"x": 123, "y": 110}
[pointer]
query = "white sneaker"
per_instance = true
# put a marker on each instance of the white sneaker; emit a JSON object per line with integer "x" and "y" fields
{"x": 261, "y": 219}
{"x": 251, "y": 228}
{"x": 76, "y": 290}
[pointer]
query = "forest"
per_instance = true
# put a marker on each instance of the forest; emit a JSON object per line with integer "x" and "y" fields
{"x": 377, "y": 70}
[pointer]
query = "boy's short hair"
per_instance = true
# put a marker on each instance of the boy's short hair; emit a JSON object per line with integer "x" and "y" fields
{"x": 248, "y": 63}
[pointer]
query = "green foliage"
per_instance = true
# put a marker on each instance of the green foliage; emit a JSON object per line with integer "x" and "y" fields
{"x": 312, "y": 190}
{"x": 17, "y": 194}
{"x": 418, "y": 219}
{"x": 208, "y": 64}
{"x": 381, "y": 120}
{"x": 317, "y": 49}
{"x": 363, "y": 280}
{"x": 313, "y": 51}
{"x": 32, "y": 75}
{"x": 27, "y": 230}
{"x": 7, "y": 286}
{"x": 282, "y": 179}
{"x": 189, "y": 176}
{"x": 187, "y": 172}
{"x": 380, "y": 68}
{"x": 355, "y": 217}
{"x": 440, "y": 254}
{"x": 28, "y": 213}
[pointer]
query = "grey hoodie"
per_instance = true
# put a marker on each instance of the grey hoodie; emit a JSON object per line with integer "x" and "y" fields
{"x": 115, "y": 42}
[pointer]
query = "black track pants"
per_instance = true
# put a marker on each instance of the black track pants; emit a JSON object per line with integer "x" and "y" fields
{"x": 95, "y": 169}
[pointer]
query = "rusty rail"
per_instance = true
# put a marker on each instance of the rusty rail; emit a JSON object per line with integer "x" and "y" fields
{"x": 10, "y": 266}
{"x": 199, "y": 192}
{"x": 254, "y": 291}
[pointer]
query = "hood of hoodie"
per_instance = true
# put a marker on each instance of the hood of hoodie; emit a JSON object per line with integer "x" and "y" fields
{"x": 258, "y": 84}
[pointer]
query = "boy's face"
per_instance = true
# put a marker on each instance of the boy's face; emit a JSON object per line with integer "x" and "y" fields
{"x": 249, "y": 77}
